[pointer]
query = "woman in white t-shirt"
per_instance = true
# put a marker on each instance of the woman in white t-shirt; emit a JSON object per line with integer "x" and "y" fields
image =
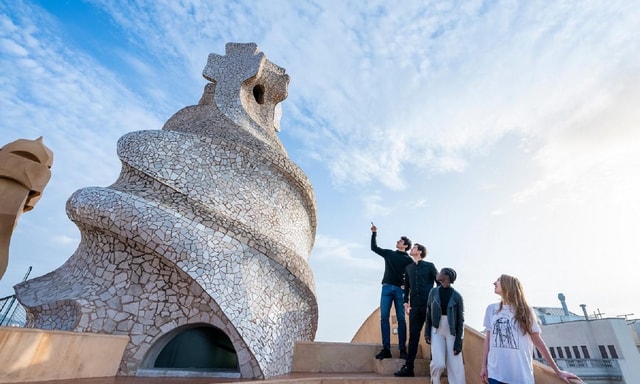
{"x": 511, "y": 332}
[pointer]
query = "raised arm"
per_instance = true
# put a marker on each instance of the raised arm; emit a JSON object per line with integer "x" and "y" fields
{"x": 374, "y": 243}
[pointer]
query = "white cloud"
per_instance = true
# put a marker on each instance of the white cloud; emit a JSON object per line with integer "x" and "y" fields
{"x": 376, "y": 206}
{"x": 416, "y": 84}
{"x": 330, "y": 252}
{"x": 11, "y": 47}
{"x": 65, "y": 240}
{"x": 597, "y": 148}
{"x": 80, "y": 109}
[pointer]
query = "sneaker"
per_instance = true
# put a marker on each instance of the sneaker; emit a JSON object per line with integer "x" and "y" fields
{"x": 404, "y": 372}
{"x": 403, "y": 355}
{"x": 384, "y": 354}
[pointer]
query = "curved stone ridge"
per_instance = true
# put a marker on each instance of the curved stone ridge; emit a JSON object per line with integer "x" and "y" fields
{"x": 209, "y": 223}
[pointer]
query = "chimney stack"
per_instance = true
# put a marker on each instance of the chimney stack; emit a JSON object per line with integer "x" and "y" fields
{"x": 584, "y": 310}
{"x": 564, "y": 304}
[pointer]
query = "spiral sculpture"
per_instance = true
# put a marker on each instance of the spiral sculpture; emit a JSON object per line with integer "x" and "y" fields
{"x": 209, "y": 224}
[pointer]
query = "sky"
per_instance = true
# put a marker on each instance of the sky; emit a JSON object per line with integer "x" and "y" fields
{"x": 503, "y": 135}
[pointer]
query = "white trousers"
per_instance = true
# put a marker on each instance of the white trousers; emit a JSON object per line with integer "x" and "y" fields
{"x": 442, "y": 355}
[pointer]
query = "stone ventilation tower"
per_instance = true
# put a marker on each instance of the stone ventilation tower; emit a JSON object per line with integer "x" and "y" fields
{"x": 199, "y": 250}
{"x": 25, "y": 169}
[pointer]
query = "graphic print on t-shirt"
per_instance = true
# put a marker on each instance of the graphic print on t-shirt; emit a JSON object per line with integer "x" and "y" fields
{"x": 503, "y": 334}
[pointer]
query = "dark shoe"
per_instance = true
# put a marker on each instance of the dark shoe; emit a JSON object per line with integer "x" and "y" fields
{"x": 384, "y": 354}
{"x": 403, "y": 355}
{"x": 404, "y": 372}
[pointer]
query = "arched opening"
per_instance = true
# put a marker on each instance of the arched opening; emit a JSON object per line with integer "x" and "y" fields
{"x": 258, "y": 93}
{"x": 200, "y": 348}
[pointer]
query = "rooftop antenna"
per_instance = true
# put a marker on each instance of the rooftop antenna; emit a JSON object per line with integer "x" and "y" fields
{"x": 597, "y": 315}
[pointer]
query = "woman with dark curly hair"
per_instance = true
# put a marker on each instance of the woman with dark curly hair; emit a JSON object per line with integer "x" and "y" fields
{"x": 445, "y": 329}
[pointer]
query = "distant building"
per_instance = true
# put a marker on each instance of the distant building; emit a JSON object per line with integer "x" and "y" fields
{"x": 599, "y": 350}
{"x": 635, "y": 329}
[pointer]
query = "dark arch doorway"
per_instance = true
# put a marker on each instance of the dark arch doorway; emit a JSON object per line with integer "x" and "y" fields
{"x": 201, "y": 348}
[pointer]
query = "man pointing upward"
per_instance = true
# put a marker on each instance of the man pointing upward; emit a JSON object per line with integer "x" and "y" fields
{"x": 395, "y": 262}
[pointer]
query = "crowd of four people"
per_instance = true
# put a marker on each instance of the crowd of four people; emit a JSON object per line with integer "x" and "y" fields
{"x": 414, "y": 286}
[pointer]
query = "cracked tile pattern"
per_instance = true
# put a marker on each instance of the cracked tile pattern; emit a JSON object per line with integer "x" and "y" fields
{"x": 209, "y": 223}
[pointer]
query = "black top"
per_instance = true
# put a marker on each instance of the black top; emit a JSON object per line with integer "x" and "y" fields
{"x": 445, "y": 295}
{"x": 419, "y": 279}
{"x": 394, "y": 263}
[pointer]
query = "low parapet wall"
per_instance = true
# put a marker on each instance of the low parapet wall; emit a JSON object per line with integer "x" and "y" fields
{"x": 29, "y": 354}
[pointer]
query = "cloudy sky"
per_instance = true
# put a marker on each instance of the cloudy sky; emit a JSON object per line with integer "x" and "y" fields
{"x": 504, "y": 135}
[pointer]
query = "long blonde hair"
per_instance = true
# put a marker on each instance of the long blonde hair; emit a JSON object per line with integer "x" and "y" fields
{"x": 513, "y": 295}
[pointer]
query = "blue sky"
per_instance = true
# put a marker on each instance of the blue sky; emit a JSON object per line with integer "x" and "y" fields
{"x": 504, "y": 135}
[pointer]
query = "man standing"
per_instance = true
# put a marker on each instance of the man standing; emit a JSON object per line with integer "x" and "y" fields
{"x": 395, "y": 261}
{"x": 420, "y": 277}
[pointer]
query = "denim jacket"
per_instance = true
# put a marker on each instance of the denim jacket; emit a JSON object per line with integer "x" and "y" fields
{"x": 455, "y": 315}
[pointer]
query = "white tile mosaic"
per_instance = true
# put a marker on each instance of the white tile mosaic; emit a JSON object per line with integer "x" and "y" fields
{"x": 208, "y": 223}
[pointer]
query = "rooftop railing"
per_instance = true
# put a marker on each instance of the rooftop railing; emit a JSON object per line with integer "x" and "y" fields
{"x": 602, "y": 369}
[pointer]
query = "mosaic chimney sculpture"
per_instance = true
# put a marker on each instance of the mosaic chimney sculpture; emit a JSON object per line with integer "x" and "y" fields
{"x": 25, "y": 169}
{"x": 208, "y": 229}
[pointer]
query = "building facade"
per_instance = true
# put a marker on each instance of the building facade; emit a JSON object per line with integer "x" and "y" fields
{"x": 599, "y": 350}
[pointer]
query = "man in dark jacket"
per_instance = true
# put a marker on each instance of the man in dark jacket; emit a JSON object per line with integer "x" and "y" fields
{"x": 420, "y": 277}
{"x": 395, "y": 262}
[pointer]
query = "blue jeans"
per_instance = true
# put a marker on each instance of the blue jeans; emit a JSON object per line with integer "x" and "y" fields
{"x": 392, "y": 294}
{"x": 494, "y": 381}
